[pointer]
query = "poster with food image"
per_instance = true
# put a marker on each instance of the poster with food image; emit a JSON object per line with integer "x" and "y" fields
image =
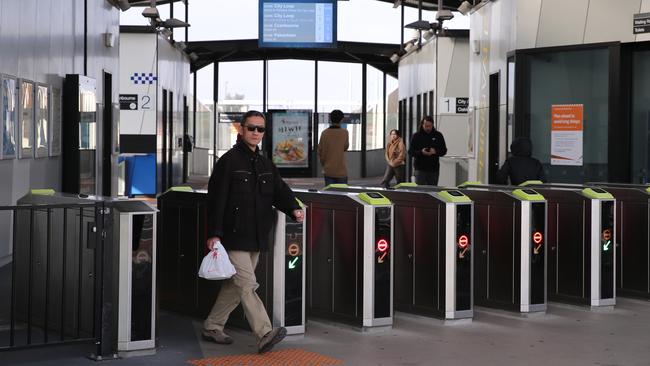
{"x": 291, "y": 139}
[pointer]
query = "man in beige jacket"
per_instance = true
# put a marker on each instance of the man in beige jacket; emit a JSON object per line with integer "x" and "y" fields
{"x": 334, "y": 141}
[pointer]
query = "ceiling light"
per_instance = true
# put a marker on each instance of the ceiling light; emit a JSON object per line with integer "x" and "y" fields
{"x": 174, "y": 23}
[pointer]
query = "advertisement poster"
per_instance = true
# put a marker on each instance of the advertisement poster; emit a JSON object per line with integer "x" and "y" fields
{"x": 566, "y": 134}
{"x": 291, "y": 139}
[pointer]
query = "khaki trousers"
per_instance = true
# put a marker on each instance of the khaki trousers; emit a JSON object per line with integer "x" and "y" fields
{"x": 240, "y": 288}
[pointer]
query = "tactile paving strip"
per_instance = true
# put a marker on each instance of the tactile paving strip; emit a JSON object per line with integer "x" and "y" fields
{"x": 285, "y": 357}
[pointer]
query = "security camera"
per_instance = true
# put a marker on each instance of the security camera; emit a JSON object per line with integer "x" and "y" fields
{"x": 444, "y": 14}
{"x": 465, "y": 7}
{"x": 124, "y": 5}
{"x": 151, "y": 12}
{"x": 394, "y": 58}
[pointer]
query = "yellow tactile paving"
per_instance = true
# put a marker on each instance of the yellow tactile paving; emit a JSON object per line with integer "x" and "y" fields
{"x": 285, "y": 357}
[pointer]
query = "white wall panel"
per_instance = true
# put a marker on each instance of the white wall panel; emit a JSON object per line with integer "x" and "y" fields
{"x": 562, "y": 22}
{"x": 527, "y": 22}
{"x": 43, "y": 40}
{"x": 609, "y": 21}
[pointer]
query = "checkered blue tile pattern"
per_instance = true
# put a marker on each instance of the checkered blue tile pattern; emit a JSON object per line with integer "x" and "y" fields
{"x": 143, "y": 78}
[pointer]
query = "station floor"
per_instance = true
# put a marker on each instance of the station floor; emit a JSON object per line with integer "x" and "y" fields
{"x": 565, "y": 335}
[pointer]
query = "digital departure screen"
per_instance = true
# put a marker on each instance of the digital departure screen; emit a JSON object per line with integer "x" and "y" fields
{"x": 382, "y": 262}
{"x": 607, "y": 250}
{"x": 537, "y": 261}
{"x": 463, "y": 257}
{"x": 297, "y": 23}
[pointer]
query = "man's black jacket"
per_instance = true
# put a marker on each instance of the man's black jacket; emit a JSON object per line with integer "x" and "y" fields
{"x": 243, "y": 187}
{"x": 421, "y": 140}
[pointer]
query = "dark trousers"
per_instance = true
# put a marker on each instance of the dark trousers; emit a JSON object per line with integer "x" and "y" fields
{"x": 397, "y": 172}
{"x": 427, "y": 177}
{"x": 333, "y": 180}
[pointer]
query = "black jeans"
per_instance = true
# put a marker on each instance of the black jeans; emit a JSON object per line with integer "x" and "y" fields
{"x": 397, "y": 172}
{"x": 427, "y": 177}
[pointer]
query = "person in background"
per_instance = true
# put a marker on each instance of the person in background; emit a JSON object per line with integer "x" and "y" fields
{"x": 520, "y": 166}
{"x": 427, "y": 146}
{"x": 242, "y": 191}
{"x": 395, "y": 159}
{"x": 333, "y": 144}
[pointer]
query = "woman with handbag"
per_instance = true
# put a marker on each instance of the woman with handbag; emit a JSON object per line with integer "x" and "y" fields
{"x": 395, "y": 159}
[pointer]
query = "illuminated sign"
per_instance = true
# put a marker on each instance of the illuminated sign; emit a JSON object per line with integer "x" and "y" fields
{"x": 382, "y": 245}
{"x": 292, "y": 262}
{"x": 607, "y": 239}
{"x": 463, "y": 241}
{"x": 537, "y": 237}
{"x": 293, "y": 250}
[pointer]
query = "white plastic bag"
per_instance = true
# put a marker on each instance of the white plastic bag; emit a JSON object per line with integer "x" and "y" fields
{"x": 216, "y": 264}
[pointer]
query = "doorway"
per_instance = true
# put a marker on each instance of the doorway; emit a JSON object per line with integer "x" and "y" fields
{"x": 493, "y": 135}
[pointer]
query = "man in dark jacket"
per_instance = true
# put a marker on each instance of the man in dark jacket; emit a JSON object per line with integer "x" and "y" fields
{"x": 427, "y": 146}
{"x": 520, "y": 167}
{"x": 243, "y": 187}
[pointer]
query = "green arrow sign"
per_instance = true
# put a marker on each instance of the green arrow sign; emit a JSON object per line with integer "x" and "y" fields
{"x": 606, "y": 245}
{"x": 292, "y": 263}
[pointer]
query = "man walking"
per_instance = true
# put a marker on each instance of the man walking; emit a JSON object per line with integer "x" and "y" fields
{"x": 243, "y": 187}
{"x": 427, "y": 146}
{"x": 333, "y": 144}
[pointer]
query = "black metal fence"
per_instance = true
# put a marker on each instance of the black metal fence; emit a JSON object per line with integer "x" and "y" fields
{"x": 57, "y": 288}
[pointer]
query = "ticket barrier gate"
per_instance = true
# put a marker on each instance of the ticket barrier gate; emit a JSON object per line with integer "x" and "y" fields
{"x": 581, "y": 232}
{"x": 280, "y": 272}
{"x": 509, "y": 235}
{"x": 432, "y": 238}
{"x": 350, "y": 257}
{"x": 632, "y": 240}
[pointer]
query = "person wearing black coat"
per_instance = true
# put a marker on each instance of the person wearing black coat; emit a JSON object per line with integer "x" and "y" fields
{"x": 520, "y": 166}
{"x": 243, "y": 188}
{"x": 427, "y": 146}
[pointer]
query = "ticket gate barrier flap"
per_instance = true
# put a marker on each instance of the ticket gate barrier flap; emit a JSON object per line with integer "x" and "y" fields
{"x": 340, "y": 249}
{"x": 433, "y": 237}
{"x": 594, "y": 283}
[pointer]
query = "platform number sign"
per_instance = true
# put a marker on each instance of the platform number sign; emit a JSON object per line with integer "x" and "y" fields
{"x": 454, "y": 105}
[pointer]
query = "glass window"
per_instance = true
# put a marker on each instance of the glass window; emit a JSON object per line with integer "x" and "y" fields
{"x": 640, "y": 116}
{"x": 42, "y": 121}
{"x": 205, "y": 108}
{"x": 374, "y": 108}
{"x": 510, "y": 105}
{"x": 220, "y": 20}
{"x": 26, "y": 119}
{"x": 55, "y": 125}
{"x": 8, "y": 122}
{"x": 392, "y": 106}
{"x": 290, "y": 84}
{"x": 339, "y": 87}
{"x": 565, "y": 78}
{"x": 240, "y": 90}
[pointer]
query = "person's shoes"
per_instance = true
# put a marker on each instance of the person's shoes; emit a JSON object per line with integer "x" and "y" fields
{"x": 270, "y": 339}
{"x": 217, "y": 336}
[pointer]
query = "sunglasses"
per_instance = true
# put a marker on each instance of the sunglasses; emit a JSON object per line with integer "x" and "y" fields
{"x": 252, "y": 128}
